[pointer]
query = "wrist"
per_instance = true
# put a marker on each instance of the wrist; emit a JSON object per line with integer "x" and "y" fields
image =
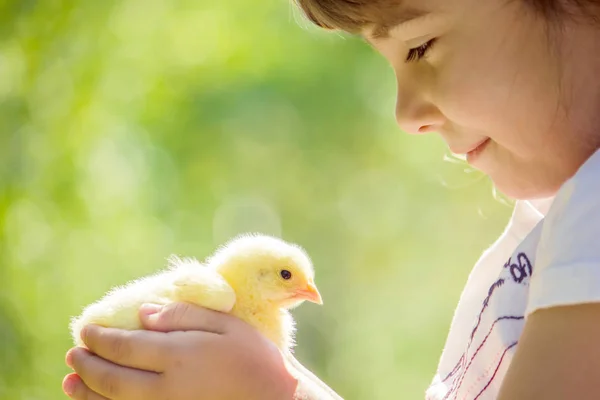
{"x": 309, "y": 390}
{"x": 289, "y": 385}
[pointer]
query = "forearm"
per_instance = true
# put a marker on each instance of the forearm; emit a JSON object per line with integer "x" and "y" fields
{"x": 308, "y": 390}
{"x": 309, "y": 386}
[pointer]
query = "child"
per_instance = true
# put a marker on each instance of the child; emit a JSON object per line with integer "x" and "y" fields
{"x": 513, "y": 85}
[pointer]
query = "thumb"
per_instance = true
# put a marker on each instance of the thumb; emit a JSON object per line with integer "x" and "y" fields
{"x": 183, "y": 317}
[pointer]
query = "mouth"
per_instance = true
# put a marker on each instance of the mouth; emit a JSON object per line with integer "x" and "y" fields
{"x": 469, "y": 150}
{"x": 477, "y": 150}
{"x": 469, "y": 154}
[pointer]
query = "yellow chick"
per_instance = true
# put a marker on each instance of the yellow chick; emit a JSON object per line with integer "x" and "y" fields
{"x": 256, "y": 278}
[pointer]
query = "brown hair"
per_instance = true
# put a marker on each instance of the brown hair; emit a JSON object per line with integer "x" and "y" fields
{"x": 354, "y": 15}
{"x": 557, "y": 10}
{"x": 350, "y": 15}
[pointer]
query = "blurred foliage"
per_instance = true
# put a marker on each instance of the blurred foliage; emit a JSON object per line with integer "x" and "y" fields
{"x": 131, "y": 130}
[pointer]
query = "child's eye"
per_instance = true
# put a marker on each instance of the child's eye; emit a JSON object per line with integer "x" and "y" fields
{"x": 418, "y": 53}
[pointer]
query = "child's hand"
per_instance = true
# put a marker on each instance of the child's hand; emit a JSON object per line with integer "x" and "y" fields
{"x": 205, "y": 355}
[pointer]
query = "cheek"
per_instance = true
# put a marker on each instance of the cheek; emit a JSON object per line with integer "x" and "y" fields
{"x": 498, "y": 86}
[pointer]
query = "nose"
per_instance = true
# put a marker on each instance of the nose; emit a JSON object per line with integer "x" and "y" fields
{"x": 415, "y": 114}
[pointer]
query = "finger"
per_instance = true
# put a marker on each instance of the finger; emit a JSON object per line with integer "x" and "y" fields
{"x": 187, "y": 317}
{"x": 74, "y": 387}
{"x": 136, "y": 349}
{"x": 110, "y": 380}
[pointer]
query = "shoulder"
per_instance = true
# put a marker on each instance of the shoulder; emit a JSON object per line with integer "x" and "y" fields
{"x": 579, "y": 194}
{"x": 558, "y": 355}
{"x": 567, "y": 269}
{"x": 573, "y": 220}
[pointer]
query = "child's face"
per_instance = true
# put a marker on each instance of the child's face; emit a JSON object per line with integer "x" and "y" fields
{"x": 495, "y": 73}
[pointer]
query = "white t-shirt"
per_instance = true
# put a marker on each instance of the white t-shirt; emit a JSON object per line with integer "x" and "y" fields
{"x": 548, "y": 255}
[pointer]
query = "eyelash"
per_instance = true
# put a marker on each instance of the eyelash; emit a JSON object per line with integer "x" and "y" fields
{"x": 418, "y": 53}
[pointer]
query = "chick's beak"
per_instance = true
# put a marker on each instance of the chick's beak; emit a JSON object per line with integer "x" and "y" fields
{"x": 310, "y": 293}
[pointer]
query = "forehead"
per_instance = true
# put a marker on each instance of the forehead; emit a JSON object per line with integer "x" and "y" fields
{"x": 403, "y": 14}
{"x": 409, "y": 14}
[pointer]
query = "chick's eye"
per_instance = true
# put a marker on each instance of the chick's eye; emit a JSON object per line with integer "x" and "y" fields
{"x": 418, "y": 53}
{"x": 285, "y": 274}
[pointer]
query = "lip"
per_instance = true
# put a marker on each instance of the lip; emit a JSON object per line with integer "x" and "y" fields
{"x": 477, "y": 150}
{"x": 465, "y": 151}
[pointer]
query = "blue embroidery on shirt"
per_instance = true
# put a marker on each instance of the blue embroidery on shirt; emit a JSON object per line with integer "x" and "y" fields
{"x": 496, "y": 370}
{"x": 521, "y": 269}
{"x": 486, "y": 302}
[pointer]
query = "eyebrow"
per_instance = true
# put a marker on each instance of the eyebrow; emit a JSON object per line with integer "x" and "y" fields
{"x": 407, "y": 14}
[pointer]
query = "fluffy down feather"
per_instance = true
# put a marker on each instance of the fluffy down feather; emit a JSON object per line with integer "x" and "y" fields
{"x": 254, "y": 277}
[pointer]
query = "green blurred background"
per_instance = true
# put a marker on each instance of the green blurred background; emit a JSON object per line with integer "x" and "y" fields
{"x": 134, "y": 129}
